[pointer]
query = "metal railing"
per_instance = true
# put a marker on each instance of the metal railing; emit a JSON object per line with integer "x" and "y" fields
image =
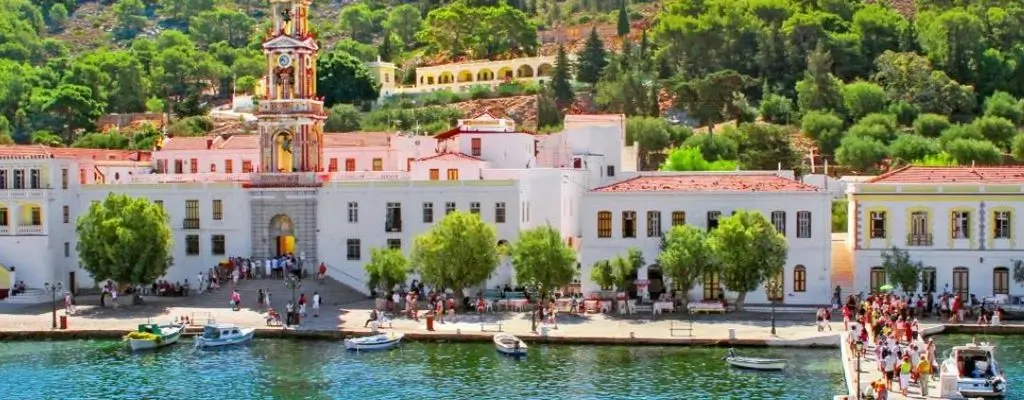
{"x": 190, "y": 223}
{"x": 919, "y": 239}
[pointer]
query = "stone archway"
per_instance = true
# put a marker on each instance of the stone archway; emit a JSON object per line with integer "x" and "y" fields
{"x": 524, "y": 71}
{"x": 282, "y": 231}
{"x": 545, "y": 70}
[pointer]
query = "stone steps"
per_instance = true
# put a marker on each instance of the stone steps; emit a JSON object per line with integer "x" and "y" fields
{"x": 332, "y": 291}
{"x": 31, "y": 296}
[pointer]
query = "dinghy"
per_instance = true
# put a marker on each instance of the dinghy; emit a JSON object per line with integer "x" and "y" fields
{"x": 152, "y": 336}
{"x": 382, "y": 341}
{"x": 760, "y": 364}
{"x": 509, "y": 345}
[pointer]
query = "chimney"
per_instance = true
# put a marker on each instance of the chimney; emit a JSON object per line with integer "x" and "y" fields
{"x": 209, "y": 144}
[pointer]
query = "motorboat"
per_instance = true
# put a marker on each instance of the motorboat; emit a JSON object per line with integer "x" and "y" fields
{"x": 510, "y": 345}
{"x": 383, "y": 341}
{"x": 971, "y": 371}
{"x": 152, "y": 336}
{"x": 760, "y": 364}
{"x": 221, "y": 335}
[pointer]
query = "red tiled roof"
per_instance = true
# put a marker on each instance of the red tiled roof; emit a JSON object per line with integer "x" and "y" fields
{"x": 252, "y": 142}
{"x": 450, "y": 157}
{"x": 357, "y": 139}
{"x": 458, "y": 130}
{"x": 241, "y": 142}
{"x": 708, "y": 183}
{"x": 188, "y": 142}
{"x": 40, "y": 151}
{"x": 913, "y": 174}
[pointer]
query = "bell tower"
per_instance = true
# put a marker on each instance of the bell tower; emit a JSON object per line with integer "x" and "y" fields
{"x": 290, "y": 116}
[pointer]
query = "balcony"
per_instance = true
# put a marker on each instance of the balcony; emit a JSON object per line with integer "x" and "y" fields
{"x": 29, "y": 230}
{"x": 189, "y": 178}
{"x": 5, "y": 229}
{"x": 919, "y": 239}
{"x": 190, "y": 223}
{"x": 301, "y": 106}
{"x": 22, "y": 193}
{"x": 283, "y": 179}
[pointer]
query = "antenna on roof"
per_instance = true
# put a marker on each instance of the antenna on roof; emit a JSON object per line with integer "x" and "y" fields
{"x": 972, "y": 165}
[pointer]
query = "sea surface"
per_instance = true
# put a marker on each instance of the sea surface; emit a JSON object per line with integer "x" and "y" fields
{"x": 286, "y": 369}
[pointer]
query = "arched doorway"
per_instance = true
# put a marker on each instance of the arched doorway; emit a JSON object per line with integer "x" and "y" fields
{"x": 283, "y": 144}
{"x": 282, "y": 230}
{"x": 656, "y": 281}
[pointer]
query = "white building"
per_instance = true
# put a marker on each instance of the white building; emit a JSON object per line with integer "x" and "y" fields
{"x": 636, "y": 212}
{"x": 960, "y": 222}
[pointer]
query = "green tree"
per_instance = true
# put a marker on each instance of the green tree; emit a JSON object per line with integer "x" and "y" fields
{"x": 1002, "y": 104}
{"x": 900, "y": 270}
{"x": 125, "y": 239}
{"x": 820, "y": 90}
{"x": 910, "y": 148}
{"x": 861, "y": 153}
{"x": 777, "y": 109}
{"x": 748, "y": 250}
{"x": 405, "y": 20}
{"x": 1017, "y": 148}
{"x": 691, "y": 159}
{"x": 343, "y": 118}
{"x": 387, "y": 268}
{"x": 561, "y": 86}
{"x": 601, "y": 274}
{"x": 58, "y": 16}
{"x": 861, "y": 98}
{"x": 931, "y": 125}
{"x": 459, "y": 252}
{"x": 221, "y": 25}
{"x": 155, "y": 105}
{"x": 592, "y": 59}
{"x": 968, "y": 151}
{"x": 357, "y": 20}
{"x": 710, "y": 99}
{"x": 825, "y": 128}
{"x": 686, "y": 256}
{"x": 765, "y": 146}
{"x": 623, "y": 21}
{"x": 181, "y": 11}
{"x": 998, "y": 130}
{"x": 344, "y": 79}
{"x": 840, "y": 210}
{"x": 542, "y": 260}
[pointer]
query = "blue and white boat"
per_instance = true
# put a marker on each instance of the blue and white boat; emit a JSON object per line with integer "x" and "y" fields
{"x": 383, "y": 341}
{"x": 220, "y": 335}
{"x": 510, "y": 345}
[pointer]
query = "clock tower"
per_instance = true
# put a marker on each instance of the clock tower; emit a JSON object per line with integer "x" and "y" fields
{"x": 290, "y": 115}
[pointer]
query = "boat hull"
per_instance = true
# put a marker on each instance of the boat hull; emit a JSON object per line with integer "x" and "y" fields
{"x": 510, "y": 346}
{"x": 245, "y": 337}
{"x": 756, "y": 364}
{"x": 166, "y": 340}
{"x": 974, "y": 388}
{"x": 378, "y": 342}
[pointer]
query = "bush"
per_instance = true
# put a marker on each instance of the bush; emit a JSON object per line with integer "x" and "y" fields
{"x": 714, "y": 147}
{"x": 967, "y": 151}
{"x": 959, "y": 132}
{"x": 909, "y": 147}
{"x": 477, "y": 92}
{"x": 825, "y": 128}
{"x": 931, "y": 125}
{"x": 905, "y": 112}
{"x": 998, "y": 130}
{"x": 190, "y": 126}
{"x": 343, "y": 118}
{"x": 441, "y": 97}
{"x": 1002, "y": 104}
{"x": 531, "y": 88}
{"x": 427, "y": 119}
{"x": 777, "y": 109}
{"x": 509, "y": 89}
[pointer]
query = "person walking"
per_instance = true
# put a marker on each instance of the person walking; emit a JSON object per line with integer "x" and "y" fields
{"x": 905, "y": 368}
{"x": 236, "y": 300}
{"x": 302, "y": 305}
{"x": 266, "y": 300}
{"x": 924, "y": 373}
{"x": 316, "y": 304}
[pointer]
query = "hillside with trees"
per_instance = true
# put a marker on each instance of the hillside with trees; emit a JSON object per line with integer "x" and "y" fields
{"x": 863, "y": 84}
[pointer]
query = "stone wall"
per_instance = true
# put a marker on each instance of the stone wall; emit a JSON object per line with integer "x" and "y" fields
{"x": 300, "y": 206}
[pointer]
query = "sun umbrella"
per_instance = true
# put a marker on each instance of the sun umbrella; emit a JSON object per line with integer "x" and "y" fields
{"x": 886, "y": 288}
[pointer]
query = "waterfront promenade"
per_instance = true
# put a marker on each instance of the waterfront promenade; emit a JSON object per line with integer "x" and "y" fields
{"x": 747, "y": 328}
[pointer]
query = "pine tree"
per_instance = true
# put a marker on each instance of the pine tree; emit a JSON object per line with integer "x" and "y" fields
{"x": 548, "y": 114}
{"x": 592, "y": 59}
{"x": 560, "y": 80}
{"x": 623, "y": 19}
{"x": 645, "y": 45}
{"x": 385, "y": 47}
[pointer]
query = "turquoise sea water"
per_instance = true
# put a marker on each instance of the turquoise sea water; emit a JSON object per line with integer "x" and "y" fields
{"x": 284, "y": 369}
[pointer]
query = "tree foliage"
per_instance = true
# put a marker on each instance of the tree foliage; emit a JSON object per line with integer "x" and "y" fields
{"x": 542, "y": 261}
{"x": 686, "y": 256}
{"x": 126, "y": 239}
{"x": 900, "y": 270}
{"x": 748, "y": 250}
{"x": 459, "y": 252}
{"x": 387, "y": 268}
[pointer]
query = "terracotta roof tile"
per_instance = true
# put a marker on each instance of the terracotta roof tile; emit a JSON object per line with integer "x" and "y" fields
{"x": 708, "y": 183}
{"x": 914, "y": 174}
{"x": 241, "y": 142}
{"x": 188, "y": 143}
{"x": 357, "y": 139}
{"x": 40, "y": 151}
{"x": 450, "y": 157}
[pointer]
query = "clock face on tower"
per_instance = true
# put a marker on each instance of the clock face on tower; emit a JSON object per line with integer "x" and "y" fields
{"x": 284, "y": 60}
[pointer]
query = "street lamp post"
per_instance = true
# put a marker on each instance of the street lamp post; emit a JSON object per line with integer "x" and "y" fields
{"x": 53, "y": 289}
{"x": 858, "y": 348}
{"x": 292, "y": 282}
{"x": 772, "y": 287}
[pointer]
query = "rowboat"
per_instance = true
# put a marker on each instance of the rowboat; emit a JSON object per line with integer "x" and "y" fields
{"x": 221, "y": 335}
{"x": 760, "y": 364}
{"x": 509, "y": 345}
{"x": 152, "y": 336}
{"x": 383, "y": 341}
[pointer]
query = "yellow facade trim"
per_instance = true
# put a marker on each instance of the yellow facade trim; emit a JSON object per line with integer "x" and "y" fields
{"x": 991, "y": 234}
{"x": 919, "y": 189}
{"x": 867, "y": 225}
{"x": 972, "y": 216}
{"x": 937, "y": 197}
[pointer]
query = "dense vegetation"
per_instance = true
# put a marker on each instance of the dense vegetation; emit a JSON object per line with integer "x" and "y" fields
{"x": 862, "y": 82}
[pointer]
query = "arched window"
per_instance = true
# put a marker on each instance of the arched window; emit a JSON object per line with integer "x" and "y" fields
{"x": 961, "y": 282}
{"x": 1001, "y": 280}
{"x": 799, "y": 278}
{"x": 877, "y": 278}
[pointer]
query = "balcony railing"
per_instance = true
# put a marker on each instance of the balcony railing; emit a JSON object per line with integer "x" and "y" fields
{"x": 5, "y": 229}
{"x": 290, "y": 107}
{"x": 190, "y": 223}
{"x": 29, "y": 230}
{"x": 22, "y": 193}
{"x": 189, "y": 178}
{"x": 919, "y": 239}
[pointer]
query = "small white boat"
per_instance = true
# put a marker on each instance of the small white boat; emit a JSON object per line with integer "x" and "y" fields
{"x": 152, "y": 336}
{"x": 510, "y": 345}
{"x": 220, "y": 335}
{"x": 760, "y": 364}
{"x": 971, "y": 371}
{"x": 383, "y": 341}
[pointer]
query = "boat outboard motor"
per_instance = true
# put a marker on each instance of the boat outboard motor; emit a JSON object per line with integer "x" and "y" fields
{"x": 998, "y": 384}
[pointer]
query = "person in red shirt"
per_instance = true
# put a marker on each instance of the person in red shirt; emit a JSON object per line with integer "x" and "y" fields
{"x": 957, "y": 304}
{"x": 322, "y": 272}
{"x": 846, "y": 317}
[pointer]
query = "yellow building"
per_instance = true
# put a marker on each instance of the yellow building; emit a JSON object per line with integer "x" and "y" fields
{"x": 459, "y": 77}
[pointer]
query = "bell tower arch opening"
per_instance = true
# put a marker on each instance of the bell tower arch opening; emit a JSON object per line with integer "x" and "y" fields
{"x": 282, "y": 231}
